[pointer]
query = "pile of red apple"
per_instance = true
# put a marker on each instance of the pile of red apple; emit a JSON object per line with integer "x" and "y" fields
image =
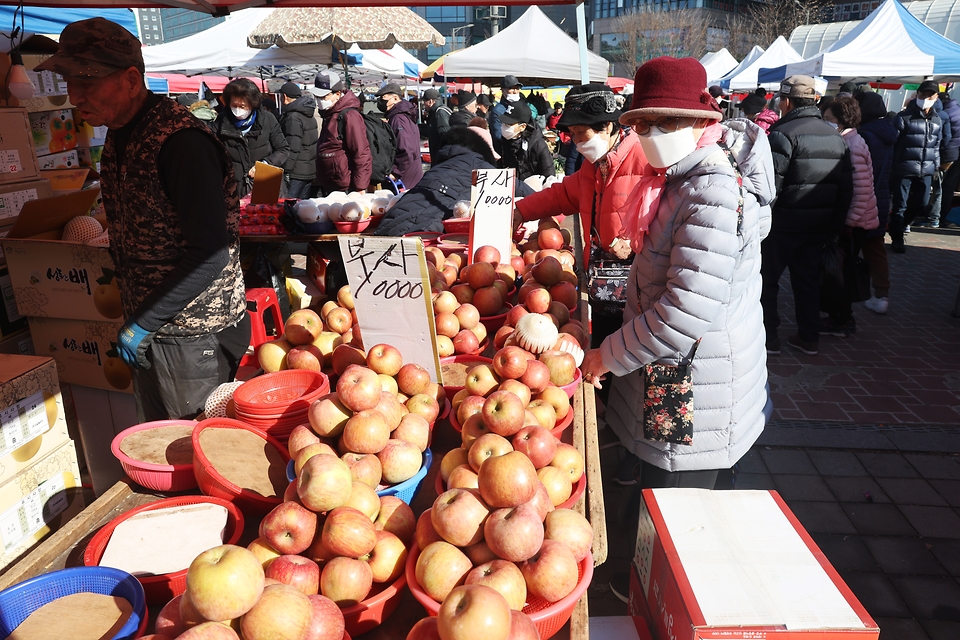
{"x": 310, "y": 338}
{"x": 459, "y": 330}
{"x": 474, "y": 611}
{"x": 377, "y": 421}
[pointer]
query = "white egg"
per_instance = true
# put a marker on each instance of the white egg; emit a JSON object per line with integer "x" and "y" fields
{"x": 323, "y": 212}
{"x": 334, "y": 211}
{"x": 379, "y": 206}
{"x": 351, "y": 212}
{"x": 307, "y": 211}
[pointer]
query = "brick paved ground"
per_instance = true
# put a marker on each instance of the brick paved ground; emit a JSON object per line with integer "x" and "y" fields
{"x": 865, "y": 448}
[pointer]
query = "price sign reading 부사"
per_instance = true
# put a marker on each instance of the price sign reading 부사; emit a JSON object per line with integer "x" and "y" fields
{"x": 391, "y": 292}
{"x": 492, "y": 200}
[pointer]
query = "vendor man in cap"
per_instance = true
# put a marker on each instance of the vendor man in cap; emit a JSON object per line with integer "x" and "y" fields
{"x": 299, "y": 127}
{"x": 172, "y": 216}
{"x": 522, "y": 146}
{"x": 814, "y": 179}
{"x": 466, "y": 109}
{"x": 344, "y": 162}
{"x": 402, "y": 116}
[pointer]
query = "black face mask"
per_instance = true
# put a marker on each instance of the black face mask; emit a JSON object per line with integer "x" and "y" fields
{"x": 382, "y": 105}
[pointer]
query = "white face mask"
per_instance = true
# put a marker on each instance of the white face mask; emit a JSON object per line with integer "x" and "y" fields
{"x": 513, "y": 97}
{"x": 240, "y": 114}
{"x": 667, "y": 149}
{"x": 509, "y": 131}
{"x": 833, "y": 124}
{"x": 325, "y": 104}
{"x": 594, "y": 148}
{"x": 926, "y": 104}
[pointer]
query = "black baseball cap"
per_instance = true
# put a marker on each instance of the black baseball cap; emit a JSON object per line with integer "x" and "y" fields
{"x": 291, "y": 90}
{"x": 516, "y": 112}
{"x": 393, "y": 87}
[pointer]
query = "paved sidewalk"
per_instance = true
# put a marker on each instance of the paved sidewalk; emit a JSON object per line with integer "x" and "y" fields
{"x": 865, "y": 448}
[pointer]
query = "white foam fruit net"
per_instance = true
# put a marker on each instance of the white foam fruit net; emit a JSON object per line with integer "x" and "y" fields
{"x": 82, "y": 229}
{"x": 216, "y": 404}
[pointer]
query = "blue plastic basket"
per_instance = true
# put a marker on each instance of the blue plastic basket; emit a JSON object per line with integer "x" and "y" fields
{"x": 20, "y": 600}
{"x": 406, "y": 490}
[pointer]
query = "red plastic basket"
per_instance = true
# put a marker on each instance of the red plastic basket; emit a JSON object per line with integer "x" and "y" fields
{"x": 548, "y": 617}
{"x": 159, "y": 477}
{"x": 467, "y": 359}
{"x": 160, "y": 589}
{"x": 456, "y": 225}
{"x": 278, "y": 393}
{"x": 213, "y": 484}
{"x": 429, "y": 238}
{"x": 369, "y": 614}
{"x": 562, "y": 424}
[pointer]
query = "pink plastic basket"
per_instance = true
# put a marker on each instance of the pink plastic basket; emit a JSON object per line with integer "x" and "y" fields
{"x": 159, "y": 477}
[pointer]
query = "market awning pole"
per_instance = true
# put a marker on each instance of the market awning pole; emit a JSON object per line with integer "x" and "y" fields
{"x": 582, "y": 41}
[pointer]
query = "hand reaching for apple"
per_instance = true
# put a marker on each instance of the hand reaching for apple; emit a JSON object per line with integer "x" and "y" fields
{"x": 593, "y": 368}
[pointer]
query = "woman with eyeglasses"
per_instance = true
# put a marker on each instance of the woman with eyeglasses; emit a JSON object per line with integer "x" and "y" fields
{"x": 697, "y": 217}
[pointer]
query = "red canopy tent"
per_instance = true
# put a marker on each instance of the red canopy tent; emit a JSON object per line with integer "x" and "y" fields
{"x": 179, "y": 83}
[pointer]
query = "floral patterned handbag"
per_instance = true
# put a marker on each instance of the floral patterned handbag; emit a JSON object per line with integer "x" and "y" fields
{"x": 668, "y": 389}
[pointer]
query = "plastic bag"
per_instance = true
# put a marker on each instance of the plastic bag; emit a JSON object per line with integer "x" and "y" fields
{"x": 263, "y": 274}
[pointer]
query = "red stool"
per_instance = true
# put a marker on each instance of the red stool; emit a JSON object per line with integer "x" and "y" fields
{"x": 262, "y": 301}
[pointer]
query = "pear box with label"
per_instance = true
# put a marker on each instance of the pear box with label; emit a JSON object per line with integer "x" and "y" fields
{"x": 53, "y": 131}
{"x": 57, "y": 279}
{"x": 18, "y": 160}
{"x": 63, "y": 160}
{"x": 85, "y": 351}
{"x": 19, "y": 344}
{"x": 38, "y": 501}
{"x": 32, "y": 419}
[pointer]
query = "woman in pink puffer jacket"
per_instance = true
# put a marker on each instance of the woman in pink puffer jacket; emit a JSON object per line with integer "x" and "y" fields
{"x": 844, "y": 113}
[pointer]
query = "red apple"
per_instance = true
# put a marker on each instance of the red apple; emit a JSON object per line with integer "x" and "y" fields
{"x": 547, "y": 271}
{"x": 522, "y": 627}
{"x": 568, "y": 460}
{"x": 300, "y": 437}
{"x": 425, "y": 406}
{"x": 445, "y": 302}
{"x": 366, "y": 432}
{"x": 466, "y": 341}
{"x": 537, "y": 300}
{"x": 345, "y": 355}
{"x": 315, "y": 449}
{"x": 508, "y": 480}
{"x": 364, "y": 499}
{"x": 504, "y": 332}
{"x": 468, "y": 316}
{"x": 463, "y": 477}
{"x": 517, "y": 388}
{"x": 570, "y": 528}
{"x": 385, "y": 359}
{"x": 537, "y": 376}
{"x": 472, "y": 429}
{"x": 397, "y": 517}
{"x": 328, "y": 416}
{"x": 324, "y": 483}
{"x": 474, "y": 611}
{"x": 364, "y": 467}
{"x": 451, "y": 460}
{"x": 514, "y": 533}
{"x": 327, "y": 622}
{"x": 348, "y": 532}
{"x": 479, "y": 275}
{"x": 302, "y": 327}
{"x": 346, "y": 581}
{"x": 481, "y": 380}
{"x": 458, "y": 516}
{"x": 225, "y": 582}
{"x": 207, "y": 631}
{"x": 552, "y": 574}
{"x": 487, "y": 446}
{"x": 400, "y": 460}
{"x": 425, "y": 629}
{"x": 387, "y": 558}
{"x": 305, "y": 358}
{"x": 557, "y": 484}
{"x": 359, "y": 388}
{"x": 562, "y": 366}
{"x": 300, "y": 573}
{"x": 510, "y": 362}
{"x": 488, "y": 301}
{"x": 264, "y": 552}
{"x": 470, "y": 405}
{"x": 169, "y": 622}
{"x": 487, "y": 253}
{"x": 537, "y": 443}
{"x": 412, "y": 379}
{"x": 447, "y": 325}
{"x": 463, "y": 292}
{"x": 545, "y": 413}
{"x": 503, "y": 576}
{"x": 440, "y": 568}
{"x": 503, "y": 413}
{"x": 289, "y": 528}
{"x": 414, "y": 429}
{"x": 558, "y": 398}
{"x": 541, "y": 501}
{"x": 425, "y": 533}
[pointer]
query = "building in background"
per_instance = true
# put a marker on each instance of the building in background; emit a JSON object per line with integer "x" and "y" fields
{"x": 166, "y": 25}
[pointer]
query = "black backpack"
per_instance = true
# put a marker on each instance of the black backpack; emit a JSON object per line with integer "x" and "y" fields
{"x": 383, "y": 144}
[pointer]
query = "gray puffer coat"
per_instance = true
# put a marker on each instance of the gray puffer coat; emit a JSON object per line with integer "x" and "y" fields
{"x": 695, "y": 278}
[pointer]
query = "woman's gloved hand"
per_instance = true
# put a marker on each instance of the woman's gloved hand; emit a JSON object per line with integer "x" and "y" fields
{"x": 133, "y": 342}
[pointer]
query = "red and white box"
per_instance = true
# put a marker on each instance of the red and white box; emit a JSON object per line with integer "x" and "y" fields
{"x": 733, "y": 565}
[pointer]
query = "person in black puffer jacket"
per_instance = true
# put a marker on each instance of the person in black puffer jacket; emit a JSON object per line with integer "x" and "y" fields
{"x": 249, "y": 132}
{"x": 949, "y": 157}
{"x": 299, "y": 126}
{"x": 522, "y": 146}
{"x": 424, "y": 207}
{"x": 880, "y": 135}
{"x": 814, "y": 178}
{"x": 916, "y": 158}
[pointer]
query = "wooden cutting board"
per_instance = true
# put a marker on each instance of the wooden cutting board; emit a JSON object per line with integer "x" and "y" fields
{"x": 80, "y": 616}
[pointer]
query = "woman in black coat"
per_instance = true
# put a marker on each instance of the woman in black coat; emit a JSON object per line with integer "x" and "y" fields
{"x": 424, "y": 207}
{"x": 249, "y": 131}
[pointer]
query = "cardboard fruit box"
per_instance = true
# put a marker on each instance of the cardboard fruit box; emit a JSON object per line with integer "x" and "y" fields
{"x": 13, "y": 195}
{"x": 57, "y": 279}
{"x": 53, "y": 131}
{"x": 736, "y": 564}
{"x": 32, "y": 419}
{"x": 18, "y": 160}
{"x": 37, "y": 501}
{"x": 85, "y": 352}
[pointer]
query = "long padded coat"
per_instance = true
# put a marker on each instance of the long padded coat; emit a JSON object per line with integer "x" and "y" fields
{"x": 697, "y": 277}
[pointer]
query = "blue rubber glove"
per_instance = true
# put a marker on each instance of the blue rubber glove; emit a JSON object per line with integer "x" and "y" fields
{"x": 133, "y": 342}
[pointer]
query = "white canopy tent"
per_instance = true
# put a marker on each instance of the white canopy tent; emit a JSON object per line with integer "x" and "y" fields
{"x": 744, "y": 77}
{"x": 224, "y": 47}
{"x": 891, "y": 45}
{"x": 396, "y": 61}
{"x": 718, "y": 64}
{"x": 533, "y": 48}
{"x": 748, "y": 59}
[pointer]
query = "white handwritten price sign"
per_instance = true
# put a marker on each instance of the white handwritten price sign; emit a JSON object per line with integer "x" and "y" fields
{"x": 391, "y": 292}
{"x": 492, "y": 200}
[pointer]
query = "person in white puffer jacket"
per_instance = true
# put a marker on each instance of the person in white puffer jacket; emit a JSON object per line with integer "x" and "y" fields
{"x": 695, "y": 277}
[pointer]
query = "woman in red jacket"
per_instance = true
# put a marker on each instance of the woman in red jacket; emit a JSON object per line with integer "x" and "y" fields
{"x": 598, "y": 192}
